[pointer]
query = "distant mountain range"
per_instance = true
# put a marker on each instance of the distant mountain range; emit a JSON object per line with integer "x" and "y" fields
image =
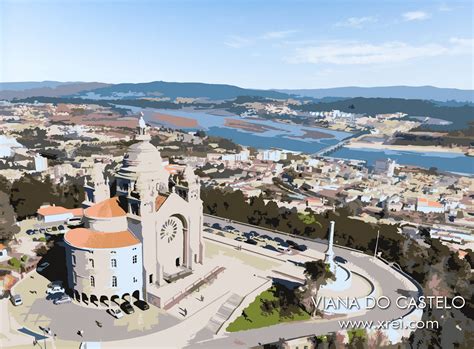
{"x": 407, "y": 92}
{"x": 11, "y": 90}
{"x": 172, "y": 90}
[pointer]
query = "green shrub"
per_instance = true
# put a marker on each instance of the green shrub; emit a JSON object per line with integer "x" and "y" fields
{"x": 14, "y": 262}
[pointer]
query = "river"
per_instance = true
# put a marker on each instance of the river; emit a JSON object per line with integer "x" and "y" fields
{"x": 291, "y": 137}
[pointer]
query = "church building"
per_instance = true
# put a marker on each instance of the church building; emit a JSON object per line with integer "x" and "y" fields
{"x": 148, "y": 234}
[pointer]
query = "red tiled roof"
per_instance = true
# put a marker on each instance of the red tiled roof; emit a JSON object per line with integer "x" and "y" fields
{"x": 106, "y": 209}
{"x": 86, "y": 238}
{"x": 429, "y": 203}
{"x": 160, "y": 200}
{"x": 55, "y": 210}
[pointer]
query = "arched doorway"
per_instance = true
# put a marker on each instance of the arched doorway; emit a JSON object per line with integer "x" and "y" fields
{"x": 115, "y": 299}
{"x": 104, "y": 300}
{"x": 172, "y": 241}
{"x": 126, "y": 296}
{"x": 136, "y": 294}
{"x": 84, "y": 297}
{"x": 94, "y": 300}
{"x": 77, "y": 296}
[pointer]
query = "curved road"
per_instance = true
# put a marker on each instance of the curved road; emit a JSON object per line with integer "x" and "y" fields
{"x": 391, "y": 287}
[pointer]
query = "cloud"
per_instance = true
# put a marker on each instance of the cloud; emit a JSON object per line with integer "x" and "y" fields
{"x": 236, "y": 41}
{"x": 278, "y": 34}
{"x": 359, "y": 53}
{"x": 356, "y": 22}
{"x": 415, "y": 16}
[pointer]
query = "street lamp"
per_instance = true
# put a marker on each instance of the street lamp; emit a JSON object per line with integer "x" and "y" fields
{"x": 377, "y": 244}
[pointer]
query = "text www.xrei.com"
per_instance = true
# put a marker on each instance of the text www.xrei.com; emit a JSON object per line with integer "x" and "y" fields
{"x": 396, "y": 325}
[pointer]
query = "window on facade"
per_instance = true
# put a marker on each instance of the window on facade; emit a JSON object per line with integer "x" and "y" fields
{"x": 73, "y": 260}
{"x": 113, "y": 262}
{"x": 75, "y": 278}
{"x": 134, "y": 259}
{"x": 92, "y": 281}
{"x": 114, "y": 281}
{"x": 135, "y": 279}
{"x": 91, "y": 262}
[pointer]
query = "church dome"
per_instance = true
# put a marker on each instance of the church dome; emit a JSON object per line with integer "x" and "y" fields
{"x": 142, "y": 157}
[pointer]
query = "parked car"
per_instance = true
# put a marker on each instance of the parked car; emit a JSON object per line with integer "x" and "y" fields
{"x": 16, "y": 300}
{"x": 207, "y": 224}
{"x": 42, "y": 230}
{"x": 301, "y": 247}
{"x": 55, "y": 289}
{"x": 291, "y": 243}
{"x": 30, "y": 232}
{"x": 115, "y": 312}
{"x": 270, "y": 247}
{"x": 266, "y": 237}
{"x": 49, "y": 230}
{"x": 228, "y": 228}
{"x": 42, "y": 267}
{"x": 141, "y": 305}
{"x": 259, "y": 239}
{"x": 63, "y": 300}
{"x": 279, "y": 240}
{"x": 208, "y": 230}
{"x": 251, "y": 242}
{"x": 282, "y": 242}
{"x": 216, "y": 226}
{"x": 283, "y": 249}
{"x": 127, "y": 307}
{"x": 253, "y": 233}
{"x": 339, "y": 259}
{"x": 74, "y": 221}
{"x": 240, "y": 238}
{"x": 61, "y": 227}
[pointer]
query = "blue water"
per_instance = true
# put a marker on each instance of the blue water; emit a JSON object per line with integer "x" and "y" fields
{"x": 451, "y": 162}
{"x": 262, "y": 141}
{"x": 284, "y": 138}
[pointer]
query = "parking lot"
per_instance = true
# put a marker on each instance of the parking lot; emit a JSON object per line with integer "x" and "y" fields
{"x": 65, "y": 320}
{"x": 252, "y": 237}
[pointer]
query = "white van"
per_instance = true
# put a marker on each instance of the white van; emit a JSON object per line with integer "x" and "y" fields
{"x": 74, "y": 221}
{"x": 16, "y": 300}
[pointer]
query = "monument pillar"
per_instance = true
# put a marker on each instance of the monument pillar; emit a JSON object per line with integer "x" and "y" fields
{"x": 329, "y": 255}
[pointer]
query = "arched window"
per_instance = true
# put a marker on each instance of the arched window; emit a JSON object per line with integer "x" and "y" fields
{"x": 91, "y": 262}
{"x": 92, "y": 281}
{"x": 113, "y": 262}
{"x": 114, "y": 281}
{"x": 73, "y": 259}
{"x": 134, "y": 259}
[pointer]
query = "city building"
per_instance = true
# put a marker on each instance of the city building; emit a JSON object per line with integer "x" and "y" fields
{"x": 57, "y": 214}
{"x": 385, "y": 167}
{"x": 41, "y": 163}
{"x": 429, "y": 206}
{"x": 133, "y": 243}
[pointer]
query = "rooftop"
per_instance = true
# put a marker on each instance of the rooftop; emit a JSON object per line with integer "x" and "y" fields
{"x": 55, "y": 210}
{"x": 106, "y": 209}
{"x": 86, "y": 238}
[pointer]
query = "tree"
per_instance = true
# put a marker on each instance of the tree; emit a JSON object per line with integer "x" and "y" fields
{"x": 316, "y": 273}
{"x": 8, "y": 228}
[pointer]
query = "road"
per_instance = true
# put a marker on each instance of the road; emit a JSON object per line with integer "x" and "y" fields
{"x": 389, "y": 281}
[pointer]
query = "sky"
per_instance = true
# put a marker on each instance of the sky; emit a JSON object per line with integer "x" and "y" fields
{"x": 253, "y": 44}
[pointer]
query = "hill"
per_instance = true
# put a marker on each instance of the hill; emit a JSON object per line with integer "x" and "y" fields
{"x": 409, "y": 92}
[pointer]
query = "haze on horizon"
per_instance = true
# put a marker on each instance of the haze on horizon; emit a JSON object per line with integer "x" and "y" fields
{"x": 286, "y": 45}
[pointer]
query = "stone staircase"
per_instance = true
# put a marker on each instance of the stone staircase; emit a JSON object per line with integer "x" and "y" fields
{"x": 224, "y": 312}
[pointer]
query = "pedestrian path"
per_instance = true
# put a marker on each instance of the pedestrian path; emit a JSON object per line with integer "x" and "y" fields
{"x": 224, "y": 312}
